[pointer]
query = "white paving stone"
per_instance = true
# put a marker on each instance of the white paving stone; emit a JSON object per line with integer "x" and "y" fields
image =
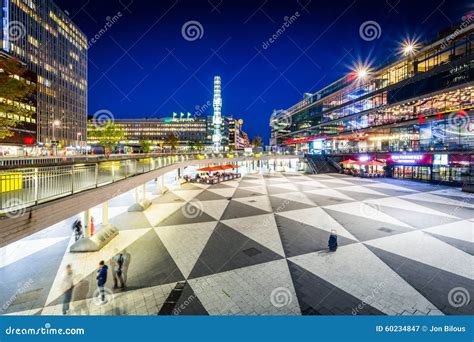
{"x": 426, "y": 249}
{"x": 356, "y": 270}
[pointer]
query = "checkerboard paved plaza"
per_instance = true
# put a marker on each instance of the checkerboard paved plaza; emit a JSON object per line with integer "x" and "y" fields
{"x": 258, "y": 246}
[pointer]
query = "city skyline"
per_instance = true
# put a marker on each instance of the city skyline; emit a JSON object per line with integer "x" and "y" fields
{"x": 157, "y": 61}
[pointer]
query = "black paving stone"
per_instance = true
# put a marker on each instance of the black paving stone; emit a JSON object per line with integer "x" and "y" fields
{"x": 299, "y": 238}
{"x": 433, "y": 283}
{"x": 316, "y": 296}
{"x": 225, "y": 251}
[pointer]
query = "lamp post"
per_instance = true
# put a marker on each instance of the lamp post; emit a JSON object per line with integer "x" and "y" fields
{"x": 79, "y": 136}
{"x": 54, "y": 124}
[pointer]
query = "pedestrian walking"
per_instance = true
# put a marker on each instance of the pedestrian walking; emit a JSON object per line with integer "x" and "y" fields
{"x": 68, "y": 287}
{"x": 101, "y": 280}
{"x": 119, "y": 270}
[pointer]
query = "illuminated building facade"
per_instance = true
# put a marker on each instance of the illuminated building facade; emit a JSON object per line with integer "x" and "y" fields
{"x": 18, "y": 107}
{"x": 41, "y": 35}
{"x": 158, "y": 131}
{"x": 415, "y": 114}
{"x": 238, "y": 139}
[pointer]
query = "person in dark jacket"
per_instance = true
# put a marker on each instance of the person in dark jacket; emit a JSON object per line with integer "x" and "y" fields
{"x": 101, "y": 280}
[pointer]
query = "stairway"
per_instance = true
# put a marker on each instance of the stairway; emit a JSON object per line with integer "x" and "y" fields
{"x": 321, "y": 164}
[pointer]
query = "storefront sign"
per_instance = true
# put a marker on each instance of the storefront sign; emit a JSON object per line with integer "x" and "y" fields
{"x": 410, "y": 159}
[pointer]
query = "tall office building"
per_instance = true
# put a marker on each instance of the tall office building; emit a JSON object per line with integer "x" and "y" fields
{"x": 217, "y": 118}
{"x": 41, "y": 35}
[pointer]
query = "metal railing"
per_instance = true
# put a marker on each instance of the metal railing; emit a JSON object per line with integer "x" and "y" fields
{"x": 27, "y": 186}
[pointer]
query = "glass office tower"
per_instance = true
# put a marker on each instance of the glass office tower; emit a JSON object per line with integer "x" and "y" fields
{"x": 40, "y": 34}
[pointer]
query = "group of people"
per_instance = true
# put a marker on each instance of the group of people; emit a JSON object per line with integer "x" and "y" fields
{"x": 213, "y": 178}
{"x": 364, "y": 174}
{"x": 119, "y": 265}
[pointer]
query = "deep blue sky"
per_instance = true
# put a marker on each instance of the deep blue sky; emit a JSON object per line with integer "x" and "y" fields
{"x": 143, "y": 67}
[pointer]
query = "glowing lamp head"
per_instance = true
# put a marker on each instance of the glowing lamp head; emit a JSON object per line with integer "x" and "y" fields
{"x": 409, "y": 47}
{"x": 362, "y": 73}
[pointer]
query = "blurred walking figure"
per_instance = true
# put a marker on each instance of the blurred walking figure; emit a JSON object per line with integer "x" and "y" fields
{"x": 77, "y": 229}
{"x": 119, "y": 269}
{"x": 101, "y": 280}
{"x": 332, "y": 243}
{"x": 68, "y": 287}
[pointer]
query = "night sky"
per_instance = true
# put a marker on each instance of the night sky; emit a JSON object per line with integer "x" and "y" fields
{"x": 143, "y": 67}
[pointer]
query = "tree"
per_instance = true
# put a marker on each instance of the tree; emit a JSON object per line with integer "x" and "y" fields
{"x": 257, "y": 141}
{"x": 171, "y": 141}
{"x": 107, "y": 135}
{"x": 145, "y": 146}
{"x": 192, "y": 146}
{"x": 199, "y": 145}
{"x": 17, "y": 90}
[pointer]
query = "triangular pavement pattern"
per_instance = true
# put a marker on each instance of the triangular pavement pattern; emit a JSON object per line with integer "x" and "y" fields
{"x": 261, "y": 229}
{"x": 318, "y": 218}
{"x": 296, "y": 197}
{"x": 459, "y": 211}
{"x": 366, "y": 211}
{"x": 226, "y": 192}
{"x": 147, "y": 264}
{"x": 366, "y": 229}
{"x": 390, "y": 293}
{"x": 245, "y": 192}
{"x": 282, "y": 204}
{"x": 249, "y": 287}
{"x": 189, "y": 303}
{"x": 189, "y": 213}
{"x": 186, "y": 242}
{"x": 228, "y": 249}
{"x": 21, "y": 249}
{"x": 188, "y": 195}
{"x": 433, "y": 283}
{"x": 460, "y": 230}
{"x": 400, "y": 203}
{"x": 25, "y": 284}
{"x": 237, "y": 209}
{"x": 158, "y": 212}
{"x": 209, "y": 196}
{"x": 465, "y": 246}
{"x": 215, "y": 209}
{"x": 316, "y": 296}
{"x": 259, "y": 202}
{"x": 83, "y": 264}
{"x": 426, "y": 249}
{"x": 416, "y": 219}
{"x": 299, "y": 238}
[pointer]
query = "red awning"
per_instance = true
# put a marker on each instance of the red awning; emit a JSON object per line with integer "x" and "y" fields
{"x": 350, "y": 161}
{"x": 373, "y": 163}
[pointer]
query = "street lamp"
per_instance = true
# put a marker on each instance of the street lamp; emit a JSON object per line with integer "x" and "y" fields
{"x": 54, "y": 124}
{"x": 409, "y": 47}
{"x": 79, "y": 136}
